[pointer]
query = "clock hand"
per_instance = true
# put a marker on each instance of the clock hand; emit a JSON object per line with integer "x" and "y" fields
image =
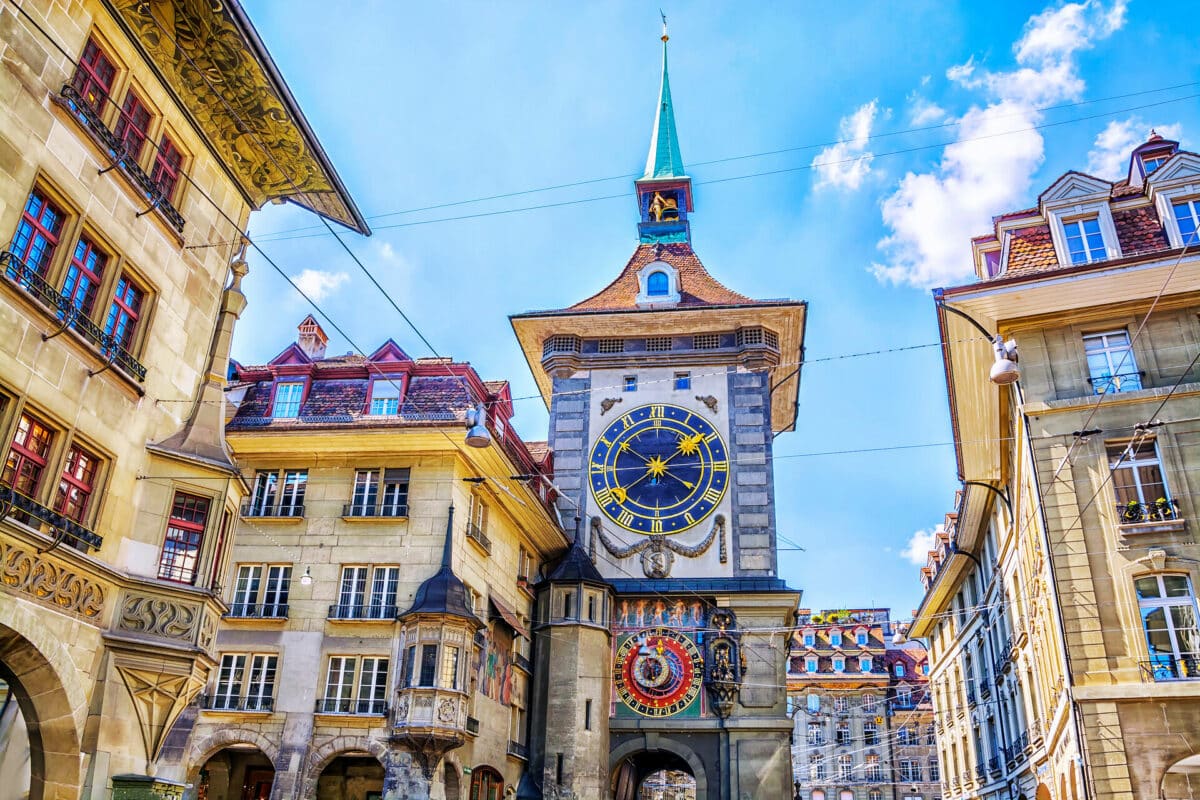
{"x": 688, "y": 484}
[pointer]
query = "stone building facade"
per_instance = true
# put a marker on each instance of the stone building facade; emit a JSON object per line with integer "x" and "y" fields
{"x": 119, "y": 154}
{"x": 862, "y": 718}
{"x": 378, "y": 597}
{"x": 1060, "y": 600}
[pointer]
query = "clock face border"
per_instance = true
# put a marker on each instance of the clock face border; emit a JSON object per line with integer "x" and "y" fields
{"x": 656, "y": 694}
{"x": 613, "y": 457}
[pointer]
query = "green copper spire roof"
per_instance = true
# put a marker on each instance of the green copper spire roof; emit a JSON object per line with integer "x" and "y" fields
{"x": 664, "y": 160}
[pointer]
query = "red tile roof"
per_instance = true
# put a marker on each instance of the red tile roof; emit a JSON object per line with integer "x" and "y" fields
{"x": 1031, "y": 250}
{"x": 1139, "y": 231}
{"x": 696, "y": 286}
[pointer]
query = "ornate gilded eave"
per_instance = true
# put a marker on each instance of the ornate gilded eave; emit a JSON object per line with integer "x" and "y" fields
{"x": 207, "y": 53}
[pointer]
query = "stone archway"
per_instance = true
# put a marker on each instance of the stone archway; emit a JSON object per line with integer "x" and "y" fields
{"x": 1181, "y": 781}
{"x": 341, "y": 747}
{"x": 665, "y": 754}
{"x": 48, "y": 708}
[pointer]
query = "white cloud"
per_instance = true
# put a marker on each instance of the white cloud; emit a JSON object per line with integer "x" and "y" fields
{"x": 1109, "y": 156}
{"x": 844, "y": 165}
{"x": 317, "y": 284}
{"x": 919, "y": 545}
{"x": 933, "y": 215}
{"x": 923, "y": 112}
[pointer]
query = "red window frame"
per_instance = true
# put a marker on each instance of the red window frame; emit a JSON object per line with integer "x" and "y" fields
{"x": 77, "y": 482}
{"x": 168, "y": 163}
{"x": 124, "y": 312}
{"x": 84, "y": 274}
{"x": 133, "y": 125}
{"x": 27, "y": 455}
{"x": 38, "y": 233}
{"x": 94, "y": 77}
{"x": 180, "y": 557}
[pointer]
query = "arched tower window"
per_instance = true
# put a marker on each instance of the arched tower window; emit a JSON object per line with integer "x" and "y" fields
{"x": 658, "y": 284}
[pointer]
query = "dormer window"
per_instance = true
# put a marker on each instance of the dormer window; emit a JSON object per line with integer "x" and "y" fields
{"x": 385, "y": 397}
{"x": 287, "y": 399}
{"x": 860, "y": 638}
{"x": 839, "y": 664}
{"x": 1187, "y": 217}
{"x": 1153, "y": 162}
{"x": 810, "y": 664}
{"x": 1085, "y": 242}
{"x": 810, "y": 638}
{"x": 835, "y": 638}
{"x": 658, "y": 284}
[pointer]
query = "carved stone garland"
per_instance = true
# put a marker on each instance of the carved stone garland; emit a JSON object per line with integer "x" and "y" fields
{"x": 658, "y": 551}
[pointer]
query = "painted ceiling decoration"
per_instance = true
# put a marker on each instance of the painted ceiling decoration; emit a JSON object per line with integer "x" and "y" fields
{"x": 208, "y": 53}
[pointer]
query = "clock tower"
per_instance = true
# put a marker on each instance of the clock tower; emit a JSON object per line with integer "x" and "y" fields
{"x": 666, "y": 390}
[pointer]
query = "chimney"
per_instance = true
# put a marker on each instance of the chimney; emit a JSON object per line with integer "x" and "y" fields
{"x": 311, "y": 339}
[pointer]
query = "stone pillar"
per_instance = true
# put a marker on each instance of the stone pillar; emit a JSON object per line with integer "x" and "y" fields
{"x": 404, "y": 777}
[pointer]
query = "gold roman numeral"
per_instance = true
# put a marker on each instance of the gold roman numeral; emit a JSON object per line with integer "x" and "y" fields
{"x": 720, "y": 466}
{"x": 626, "y": 519}
{"x": 604, "y": 497}
{"x": 658, "y": 412}
{"x": 656, "y": 526}
{"x": 713, "y": 496}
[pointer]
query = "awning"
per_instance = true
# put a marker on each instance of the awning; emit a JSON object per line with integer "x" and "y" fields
{"x": 505, "y": 614}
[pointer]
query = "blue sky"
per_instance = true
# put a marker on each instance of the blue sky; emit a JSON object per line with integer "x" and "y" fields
{"x": 425, "y": 104}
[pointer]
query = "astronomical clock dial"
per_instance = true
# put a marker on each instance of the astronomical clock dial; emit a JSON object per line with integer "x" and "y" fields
{"x": 659, "y": 469}
{"x": 658, "y": 672}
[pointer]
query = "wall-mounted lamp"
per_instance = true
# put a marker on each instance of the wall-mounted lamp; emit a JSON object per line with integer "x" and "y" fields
{"x": 306, "y": 578}
{"x": 477, "y": 433}
{"x": 1005, "y": 370}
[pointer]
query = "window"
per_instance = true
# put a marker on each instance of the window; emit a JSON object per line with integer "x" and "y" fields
{"x": 449, "y": 679}
{"x": 83, "y": 276}
{"x": 487, "y": 783}
{"x": 839, "y": 665}
{"x": 185, "y": 533}
{"x": 658, "y": 284}
{"x": 899, "y": 670}
{"x": 870, "y": 733}
{"x": 683, "y": 380}
{"x": 1187, "y": 217}
{"x": 845, "y": 766}
{"x": 864, "y": 663}
{"x": 167, "y": 164}
{"x": 868, "y": 702}
{"x": 272, "y": 497}
{"x": 816, "y": 767}
{"x": 428, "y": 665}
{"x": 395, "y": 493}
{"x": 234, "y": 692}
{"x": 94, "y": 76}
{"x": 935, "y": 774}
{"x": 249, "y": 589}
{"x": 36, "y": 238}
{"x": 122, "y": 320}
{"x": 906, "y": 735}
{"x": 874, "y": 794}
{"x": 810, "y": 639}
{"x": 132, "y": 125}
{"x": 354, "y": 602}
{"x": 904, "y": 698}
{"x": 1168, "y": 609}
{"x": 76, "y": 485}
{"x": 1138, "y": 481}
{"x": 1110, "y": 361}
{"x": 385, "y": 397}
{"x": 287, "y": 399}
{"x": 587, "y": 715}
{"x": 1085, "y": 242}
{"x": 230, "y": 678}
{"x": 1151, "y": 163}
{"x": 27, "y": 455}
{"x": 706, "y": 341}
{"x": 835, "y": 638}
{"x": 345, "y": 695}
{"x": 816, "y": 735}
{"x": 873, "y": 771}
{"x": 841, "y": 704}
{"x": 658, "y": 344}
{"x": 810, "y": 664}
{"x": 910, "y": 771}
{"x": 841, "y": 734}
{"x": 609, "y": 346}
{"x": 860, "y": 638}
{"x": 631, "y": 383}
{"x": 477, "y": 520}
{"x": 814, "y": 703}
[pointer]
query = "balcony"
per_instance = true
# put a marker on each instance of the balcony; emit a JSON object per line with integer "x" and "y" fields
{"x": 251, "y": 705}
{"x": 257, "y": 611}
{"x": 48, "y": 521}
{"x": 66, "y": 315}
{"x": 260, "y": 510}
{"x": 518, "y": 750}
{"x": 981, "y": 772}
{"x": 1170, "y": 667}
{"x": 366, "y": 708}
{"x": 1111, "y": 384}
{"x": 475, "y": 534}
{"x": 375, "y": 510}
{"x": 1161, "y": 516}
{"x": 83, "y": 111}
{"x": 363, "y": 612}
{"x": 994, "y": 765}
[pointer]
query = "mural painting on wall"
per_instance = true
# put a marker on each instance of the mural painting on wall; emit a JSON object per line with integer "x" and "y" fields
{"x": 494, "y": 665}
{"x": 672, "y": 612}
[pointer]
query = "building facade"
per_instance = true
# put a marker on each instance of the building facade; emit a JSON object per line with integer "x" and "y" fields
{"x": 862, "y": 718}
{"x": 375, "y": 641}
{"x": 665, "y": 392}
{"x": 123, "y": 155}
{"x": 1060, "y": 601}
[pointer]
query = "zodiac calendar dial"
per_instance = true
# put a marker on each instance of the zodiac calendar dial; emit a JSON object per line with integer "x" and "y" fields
{"x": 658, "y": 672}
{"x": 658, "y": 469}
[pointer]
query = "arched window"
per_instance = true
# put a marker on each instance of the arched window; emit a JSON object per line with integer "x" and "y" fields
{"x": 486, "y": 784}
{"x": 658, "y": 285}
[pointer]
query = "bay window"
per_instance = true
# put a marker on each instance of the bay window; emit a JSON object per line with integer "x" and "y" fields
{"x": 27, "y": 455}
{"x": 76, "y": 484}
{"x": 180, "y": 557}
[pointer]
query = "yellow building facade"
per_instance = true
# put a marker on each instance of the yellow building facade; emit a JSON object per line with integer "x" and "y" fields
{"x": 1061, "y": 597}
{"x": 120, "y": 162}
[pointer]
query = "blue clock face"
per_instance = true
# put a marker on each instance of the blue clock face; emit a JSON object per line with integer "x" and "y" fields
{"x": 659, "y": 469}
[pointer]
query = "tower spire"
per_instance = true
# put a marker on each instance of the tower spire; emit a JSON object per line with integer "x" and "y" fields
{"x": 664, "y": 160}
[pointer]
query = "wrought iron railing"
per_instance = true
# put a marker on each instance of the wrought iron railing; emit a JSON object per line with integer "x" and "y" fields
{"x": 994, "y": 765}
{"x": 476, "y": 534}
{"x": 258, "y": 610}
{"x": 31, "y": 512}
{"x": 61, "y": 307}
{"x": 1124, "y": 382}
{"x": 385, "y": 510}
{"x": 337, "y": 705}
{"x": 518, "y": 750}
{"x": 1160, "y": 510}
{"x": 216, "y": 702}
{"x": 1171, "y": 667}
{"x": 365, "y": 611}
{"x": 259, "y": 509}
{"x": 88, "y": 116}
